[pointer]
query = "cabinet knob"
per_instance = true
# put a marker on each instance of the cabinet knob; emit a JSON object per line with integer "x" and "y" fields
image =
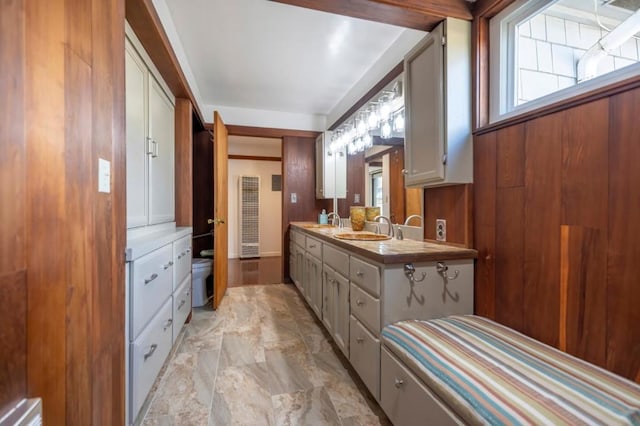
{"x": 168, "y": 324}
{"x": 398, "y": 383}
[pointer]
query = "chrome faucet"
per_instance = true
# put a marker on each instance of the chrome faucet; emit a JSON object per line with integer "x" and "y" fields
{"x": 413, "y": 216}
{"x": 335, "y": 217}
{"x": 390, "y": 232}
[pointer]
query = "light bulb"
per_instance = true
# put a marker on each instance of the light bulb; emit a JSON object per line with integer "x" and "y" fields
{"x": 368, "y": 140}
{"x": 372, "y": 120}
{"x": 398, "y": 122}
{"x": 385, "y": 131}
{"x": 352, "y": 150}
{"x": 362, "y": 128}
{"x": 385, "y": 111}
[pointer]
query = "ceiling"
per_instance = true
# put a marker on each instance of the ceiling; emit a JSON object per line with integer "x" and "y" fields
{"x": 268, "y": 64}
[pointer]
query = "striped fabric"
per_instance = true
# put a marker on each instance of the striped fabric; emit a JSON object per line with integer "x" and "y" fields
{"x": 490, "y": 374}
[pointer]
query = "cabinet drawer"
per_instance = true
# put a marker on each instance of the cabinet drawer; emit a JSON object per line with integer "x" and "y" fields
{"x": 365, "y": 356}
{"x": 337, "y": 259}
{"x": 181, "y": 259}
{"x": 298, "y": 238}
{"x": 314, "y": 247}
{"x": 405, "y": 400}
{"x": 151, "y": 286}
{"x": 366, "y": 308}
{"x": 366, "y": 275}
{"x": 181, "y": 305}
{"x": 148, "y": 353}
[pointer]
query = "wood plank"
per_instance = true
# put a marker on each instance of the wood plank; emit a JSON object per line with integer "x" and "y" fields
{"x": 509, "y": 261}
{"x": 46, "y": 217}
{"x": 396, "y": 186}
{"x": 480, "y": 76}
{"x": 355, "y": 184}
{"x": 454, "y": 204}
{"x": 184, "y": 162}
{"x": 510, "y": 154}
{"x": 78, "y": 235}
{"x": 543, "y": 173}
{"x": 585, "y": 145}
{"x": 253, "y": 158}
{"x": 145, "y": 22}
{"x": 484, "y": 214}
{"x": 582, "y": 325}
{"x": 265, "y": 132}
{"x": 490, "y": 8}
{"x": 414, "y": 199}
{"x": 623, "y": 267}
{"x": 13, "y": 339}
{"x": 384, "y": 81}
{"x": 441, "y": 8}
{"x": 371, "y": 11}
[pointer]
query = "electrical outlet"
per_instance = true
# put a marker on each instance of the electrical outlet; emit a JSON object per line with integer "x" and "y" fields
{"x": 441, "y": 230}
{"x": 294, "y": 197}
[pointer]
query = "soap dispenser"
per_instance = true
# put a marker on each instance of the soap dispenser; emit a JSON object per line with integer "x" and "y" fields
{"x": 323, "y": 219}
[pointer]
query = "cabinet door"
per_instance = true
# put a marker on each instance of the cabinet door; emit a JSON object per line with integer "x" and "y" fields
{"x": 424, "y": 111}
{"x": 161, "y": 164}
{"x": 136, "y": 136}
{"x": 315, "y": 285}
{"x": 341, "y": 313}
{"x": 328, "y": 307}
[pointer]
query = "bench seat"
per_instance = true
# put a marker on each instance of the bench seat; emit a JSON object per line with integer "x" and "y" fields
{"x": 490, "y": 374}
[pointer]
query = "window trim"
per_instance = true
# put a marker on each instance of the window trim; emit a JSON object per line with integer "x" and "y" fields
{"x": 502, "y": 60}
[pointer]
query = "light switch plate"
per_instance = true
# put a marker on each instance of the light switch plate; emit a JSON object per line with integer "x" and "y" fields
{"x": 294, "y": 197}
{"x": 441, "y": 230}
{"x": 356, "y": 198}
{"x": 104, "y": 175}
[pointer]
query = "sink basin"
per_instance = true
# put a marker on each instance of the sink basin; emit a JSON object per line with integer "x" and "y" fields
{"x": 362, "y": 237}
{"x": 317, "y": 225}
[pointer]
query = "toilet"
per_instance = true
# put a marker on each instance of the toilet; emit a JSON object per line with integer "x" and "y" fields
{"x": 200, "y": 269}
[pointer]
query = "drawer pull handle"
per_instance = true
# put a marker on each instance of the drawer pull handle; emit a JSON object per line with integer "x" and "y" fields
{"x": 151, "y": 351}
{"x": 360, "y": 274}
{"x": 398, "y": 383}
{"x": 359, "y": 302}
{"x": 167, "y": 266}
{"x": 188, "y": 250}
{"x": 360, "y": 339}
{"x": 182, "y": 302}
{"x": 167, "y": 324}
{"x": 151, "y": 278}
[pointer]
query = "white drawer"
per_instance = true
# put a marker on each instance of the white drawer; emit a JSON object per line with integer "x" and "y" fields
{"x": 181, "y": 259}
{"x": 298, "y": 238}
{"x": 314, "y": 247}
{"x": 151, "y": 286}
{"x": 366, "y": 308}
{"x": 366, "y": 275}
{"x": 181, "y": 305}
{"x": 337, "y": 259}
{"x": 405, "y": 400}
{"x": 365, "y": 356}
{"x": 148, "y": 353}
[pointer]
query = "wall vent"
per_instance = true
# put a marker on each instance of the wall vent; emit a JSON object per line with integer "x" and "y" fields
{"x": 249, "y": 220}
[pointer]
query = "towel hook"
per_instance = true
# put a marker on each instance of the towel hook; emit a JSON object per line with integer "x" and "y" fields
{"x": 410, "y": 270}
{"x": 443, "y": 269}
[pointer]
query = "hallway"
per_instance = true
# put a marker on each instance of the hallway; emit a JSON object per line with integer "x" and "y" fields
{"x": 260, "y": 359}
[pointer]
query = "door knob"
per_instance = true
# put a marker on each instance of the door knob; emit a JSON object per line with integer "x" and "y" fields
{"x": 215, "y": 221}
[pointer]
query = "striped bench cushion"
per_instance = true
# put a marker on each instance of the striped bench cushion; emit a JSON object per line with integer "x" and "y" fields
{"x": 491, "y": 374}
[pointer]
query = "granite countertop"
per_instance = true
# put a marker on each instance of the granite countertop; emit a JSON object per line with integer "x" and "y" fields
{"x": 389, "y": 251}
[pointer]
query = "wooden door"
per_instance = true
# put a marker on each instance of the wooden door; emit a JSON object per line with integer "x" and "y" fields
{"x": 220, "y": 209}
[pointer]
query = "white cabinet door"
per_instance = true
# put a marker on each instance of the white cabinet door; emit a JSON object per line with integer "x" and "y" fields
{"x": 136, "y": 136}
{"x": 424, "y": 110}
{"x": 341, "y": 313}
{"x": 161, "y": 164}
{"x": 315, "y": 284}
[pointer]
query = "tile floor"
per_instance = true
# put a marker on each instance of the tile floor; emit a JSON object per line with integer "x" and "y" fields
{"x": 260, "y": 359}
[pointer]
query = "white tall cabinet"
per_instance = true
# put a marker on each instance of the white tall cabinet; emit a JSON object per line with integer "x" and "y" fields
{"x": 150, "y": 118}
{"x": 438, "y": 142}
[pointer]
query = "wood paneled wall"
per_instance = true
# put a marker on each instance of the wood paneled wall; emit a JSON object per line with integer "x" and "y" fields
{"x": 184, "y": 162}
{"x": 298, "y": 176}
{"x": 556, "y": 202}
{"x": 62, "y": 242}
{"x": 355, "y": 185}
{"x": 453, "y": 204}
